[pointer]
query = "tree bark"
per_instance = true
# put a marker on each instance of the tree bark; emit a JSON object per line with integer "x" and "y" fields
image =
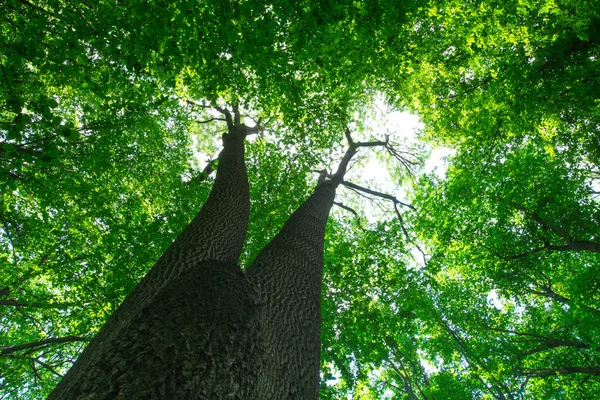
{"x": 197, "y": 327}
{"x": 188, "y": 329}
{"x": 288, "y": 273}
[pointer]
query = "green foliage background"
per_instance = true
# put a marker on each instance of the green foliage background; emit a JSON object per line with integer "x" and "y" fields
{"x": 486, "y": 286}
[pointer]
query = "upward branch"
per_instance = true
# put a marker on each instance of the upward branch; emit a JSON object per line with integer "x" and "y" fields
{"x": 353, "y": 147}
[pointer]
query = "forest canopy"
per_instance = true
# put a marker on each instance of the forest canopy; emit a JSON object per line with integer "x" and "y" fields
{"x": 478, "y": 280}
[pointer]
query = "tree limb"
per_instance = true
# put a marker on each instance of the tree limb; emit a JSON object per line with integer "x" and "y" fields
{"x": 536, "y": 217}
{"x": 545, "y": 372}
{"x": 210, "y": 120}
{"x": 16, "y": 303}
{"x": 352, "y": 211}
{"x": 6, "y": 350}
{"x": 376, "y": 193}
{"x": 47, "y": 366}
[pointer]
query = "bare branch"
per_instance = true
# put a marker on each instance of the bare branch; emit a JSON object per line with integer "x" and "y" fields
{"x": 351, "y": 210}
{"x": 210, "y": 120}
{"x": 47, "y": 366}
{"x": 401, "y": 220}
{"x": 6, "y": 350}
{"x": 376, "y": 193}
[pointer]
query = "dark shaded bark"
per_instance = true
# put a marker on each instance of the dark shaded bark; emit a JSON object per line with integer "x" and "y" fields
{"x": 197, "y": 327}
{"x": 194, "y": 340}
{"x": 178, "y": 324}
{"x": 288, "y": 273}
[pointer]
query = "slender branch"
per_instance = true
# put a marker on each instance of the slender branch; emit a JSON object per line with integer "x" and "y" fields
{"x": 496, "y": 388}
{"x": 548, "y": 342}
{"x": 520, "y": 255}
{"x": 534, "y": 335}
{"x": 6, "y": 350}
{"x": 536, "y": 217}
{"x": 47, "y": 366}
{"x": 551, "y": 345}
{"x": 578, "y": 245}
{"x": 351, "y": 210}
{"x": 16, "y": 303}
{"x": 545, "y": 372}
{"x": 376, "y": 193}
{"x": 401, "y": 220}
{"x": 416, "y": 368}
{"x": 549, "y": 293}
{"x": 210, "y": 120}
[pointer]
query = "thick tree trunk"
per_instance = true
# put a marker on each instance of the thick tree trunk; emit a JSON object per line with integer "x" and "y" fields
{"x": 188, "y": 329}
{"x": 288, "y": 273}
{"x": 197, "y": 327}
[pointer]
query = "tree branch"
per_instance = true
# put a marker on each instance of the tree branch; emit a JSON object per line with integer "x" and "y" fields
{"x": 210, "y": 120}
{"x": 47, "y": 366}
{"x": 536, "y": 217}
{"x": 16, "y": 303}
{"x": 376, "y": 193}
{"x": 351, "y": 210}
{"x": 6, "y": 350}
{"x": 545, "y": 372}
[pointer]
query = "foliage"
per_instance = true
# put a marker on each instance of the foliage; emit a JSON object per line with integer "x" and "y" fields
{"x": 104, "y": 109}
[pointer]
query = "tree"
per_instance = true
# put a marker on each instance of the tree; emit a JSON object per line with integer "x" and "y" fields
{"x": 197, "y": 326}
{"x": 477, "y": 283}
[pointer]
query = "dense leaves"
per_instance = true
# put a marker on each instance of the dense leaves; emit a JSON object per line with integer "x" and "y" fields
{"x": 486, "y": 287}
{"x": 515, "y": 263}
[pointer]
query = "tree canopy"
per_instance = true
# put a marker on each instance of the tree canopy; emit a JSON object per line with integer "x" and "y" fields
{"x": 478, "y": 280}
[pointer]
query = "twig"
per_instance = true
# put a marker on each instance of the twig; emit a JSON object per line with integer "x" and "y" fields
{"x": 210, "y": 120}
{"x": 351, "y": 210}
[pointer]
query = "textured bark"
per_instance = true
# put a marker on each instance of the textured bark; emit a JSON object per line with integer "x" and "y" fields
{"x": 196, "y": 339}
{"x": 288, "y": 273}
{"x": 141, "y": 351}
{"x": 197, "y": 327}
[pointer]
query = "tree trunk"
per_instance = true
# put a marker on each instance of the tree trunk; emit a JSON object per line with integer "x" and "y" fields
{"x": 288, "y": 273}
{"x": 188, "y": 330}
{"x": 197, "y": 327}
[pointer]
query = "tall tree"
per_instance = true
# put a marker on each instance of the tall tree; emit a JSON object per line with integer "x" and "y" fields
{"x": 201, "y": 266}
{"x": 198, "y": 327}
{"x": 101, "y": 114}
